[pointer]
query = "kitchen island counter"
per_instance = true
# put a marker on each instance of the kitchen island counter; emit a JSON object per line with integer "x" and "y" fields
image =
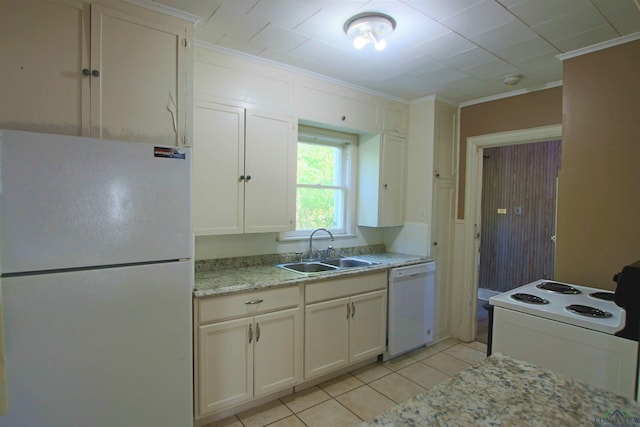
{"x": 241, "y": 279}
{"x": 501, "y": 391}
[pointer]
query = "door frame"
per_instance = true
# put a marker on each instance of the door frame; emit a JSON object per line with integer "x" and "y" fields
{"x": 472, "y": 210}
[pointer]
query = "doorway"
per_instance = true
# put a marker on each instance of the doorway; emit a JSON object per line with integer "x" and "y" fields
{"x": 473, "y": 211}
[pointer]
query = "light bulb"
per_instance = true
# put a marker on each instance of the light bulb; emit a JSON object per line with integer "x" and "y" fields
{"x": 359, "y": 42}
{"x": 380, "y": 44}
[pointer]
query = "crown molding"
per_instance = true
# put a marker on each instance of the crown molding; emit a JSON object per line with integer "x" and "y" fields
{"x": 167, "y": 10}
{"x": 510, "y": 94}
{"x": 599, "y": 46}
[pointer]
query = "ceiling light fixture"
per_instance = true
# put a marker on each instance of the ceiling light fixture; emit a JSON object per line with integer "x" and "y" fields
{"x": 369, "y": 27}
{"x": 511, "y": 80}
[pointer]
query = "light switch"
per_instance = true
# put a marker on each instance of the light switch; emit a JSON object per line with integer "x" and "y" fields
{"x": 502, "y": 211}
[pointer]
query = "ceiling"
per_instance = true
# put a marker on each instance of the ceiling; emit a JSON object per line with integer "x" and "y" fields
{"x": 459, "y": 50}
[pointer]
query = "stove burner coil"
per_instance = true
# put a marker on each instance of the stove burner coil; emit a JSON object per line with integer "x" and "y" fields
{"x": 529, "y": 299}
{"x": 585, "y": 310}
{"x": 559, "y": 288}
{"x": 606, "y": 296}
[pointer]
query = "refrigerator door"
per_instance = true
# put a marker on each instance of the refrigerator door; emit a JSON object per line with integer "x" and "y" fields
{"x": 69, "y": 202}
{"x": 100, "y": 348}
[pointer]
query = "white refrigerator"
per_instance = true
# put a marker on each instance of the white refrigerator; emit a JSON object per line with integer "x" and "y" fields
{"x": 96, "y": 264}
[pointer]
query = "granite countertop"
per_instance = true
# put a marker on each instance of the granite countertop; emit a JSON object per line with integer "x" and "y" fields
{"x": 233, "y": 279}
{"x": 501, "y": 391}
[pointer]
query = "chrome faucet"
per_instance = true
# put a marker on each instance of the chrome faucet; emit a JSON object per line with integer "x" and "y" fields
{"x": 310, "y": 253}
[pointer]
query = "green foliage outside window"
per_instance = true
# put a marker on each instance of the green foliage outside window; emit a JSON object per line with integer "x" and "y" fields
{"x": 319, "y": 194}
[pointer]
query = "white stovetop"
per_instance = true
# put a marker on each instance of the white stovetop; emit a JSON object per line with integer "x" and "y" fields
{"x": 556, "y": 310}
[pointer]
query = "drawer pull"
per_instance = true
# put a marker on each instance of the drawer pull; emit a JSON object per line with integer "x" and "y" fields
{"x": 353, "y": 310}
{"x": 250, "y": 334}
{"x": 257, "y": 332}
{"x": 254, "y": 301}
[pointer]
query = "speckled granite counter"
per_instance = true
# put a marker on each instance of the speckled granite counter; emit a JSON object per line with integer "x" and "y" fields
{"x": 500, "y": 391}
{"x": 231, "y": 280}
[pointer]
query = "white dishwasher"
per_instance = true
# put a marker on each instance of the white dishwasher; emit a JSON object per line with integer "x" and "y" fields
{"x": 411, "y": 308}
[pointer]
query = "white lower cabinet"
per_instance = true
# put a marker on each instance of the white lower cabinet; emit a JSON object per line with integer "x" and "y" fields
{"x": 243, "y": 358}
{"x": 347, "y": 324}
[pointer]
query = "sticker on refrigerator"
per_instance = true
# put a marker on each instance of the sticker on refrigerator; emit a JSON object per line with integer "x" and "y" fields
{"x": 169, "y": 153}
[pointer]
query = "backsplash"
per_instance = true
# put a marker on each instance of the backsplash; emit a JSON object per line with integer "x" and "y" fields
{"x": 273, "y": 259}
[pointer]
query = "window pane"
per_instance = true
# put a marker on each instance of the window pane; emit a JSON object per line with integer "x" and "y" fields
{"x": 318, "y": 164}
{"x": 318, "y": 208}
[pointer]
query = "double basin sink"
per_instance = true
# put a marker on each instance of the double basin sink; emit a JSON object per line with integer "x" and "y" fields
{"x": 330, "y": 264}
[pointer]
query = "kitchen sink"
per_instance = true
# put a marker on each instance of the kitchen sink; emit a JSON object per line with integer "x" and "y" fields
{"x": 307, "y": 267}
{"x": 331, "y": 264}
{"x": 348, "y": 262}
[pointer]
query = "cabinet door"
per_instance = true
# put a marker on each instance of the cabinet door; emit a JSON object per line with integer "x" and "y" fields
{"x": 140, "y": 92}
{"x": 445, "y": 142}
{"x": 368, "y": 327}
{"x": 225, "y": 364}
{"x": 444, "y": 202}
{"x": 218, "y": 163}
{"x": 43, "y": 48}
{"x": 270, "y": 169}
{"x": 277, "y": 351}
{"x": 392, "y": 181}
{"x": 326, "y": 336}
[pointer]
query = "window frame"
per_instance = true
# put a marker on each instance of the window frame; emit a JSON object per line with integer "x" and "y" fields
{"x": 348, "y": 143}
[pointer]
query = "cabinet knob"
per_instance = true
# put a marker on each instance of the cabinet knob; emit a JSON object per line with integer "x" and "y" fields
{"x": 248, "y": 178}
{"x": 437, "y": 175}
{"x": 353, "y": 310}
{"x": 348, "y": 311}
{"x": 95, "y": 73}
{"x": 385, "y": 186}
{"x": 241, "y": 178}
{"x": 257, "y": 332}
{"x": 343, "y": 118}
{"x": 86, "y": 72}
{"x": 435, "y": 243}
{"x": 250, "y": 334}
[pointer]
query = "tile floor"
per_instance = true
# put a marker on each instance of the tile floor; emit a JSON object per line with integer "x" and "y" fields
{"x": 364, "y": 393}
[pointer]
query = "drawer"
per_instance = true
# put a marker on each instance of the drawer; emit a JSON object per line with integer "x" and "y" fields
{"x": 247, "y": 303}
{"x": 351, "y": 285}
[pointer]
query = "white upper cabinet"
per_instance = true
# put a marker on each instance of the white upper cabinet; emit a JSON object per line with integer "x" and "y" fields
{"x": 336, "y": 106}
{"x": 382, "y": 174}
{"x": 118, "y": 71}
{"x": 396, "y": 118}
{"x": 244, "y": 165}
{"x": 43, "y": 51}
{"x": 444, "y": 163}
{"x": 138, "y": 77}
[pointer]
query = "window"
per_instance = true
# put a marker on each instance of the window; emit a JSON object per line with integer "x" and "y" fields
{"x": 325, "y": 187}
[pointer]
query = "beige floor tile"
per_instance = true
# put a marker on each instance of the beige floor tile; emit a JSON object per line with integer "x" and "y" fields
{"x": 264, "y": 414}
{"x": 445, "y": 344}
{"x": 480, "y": 346}
{"x": 226, "y": 422}
{"x": 371, "y": 372}
{"x": 341, "y": 384}
{"x": 399, "y": 362}
{"x": 291, "y": 421}
{"x": 305, "y": 399}
{"x": 422, "y": 353}
{"x": 445, "y": 363}
{"x": 397, "y": 388}
{"x": 465, "y": 353}
{"x": 329, "y": 414}
{"x": 423, "y": 375}
{"x": 366, "y": 402}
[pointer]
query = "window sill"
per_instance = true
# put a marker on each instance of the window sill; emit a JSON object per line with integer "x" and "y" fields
{"x": 282, "y": 238}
